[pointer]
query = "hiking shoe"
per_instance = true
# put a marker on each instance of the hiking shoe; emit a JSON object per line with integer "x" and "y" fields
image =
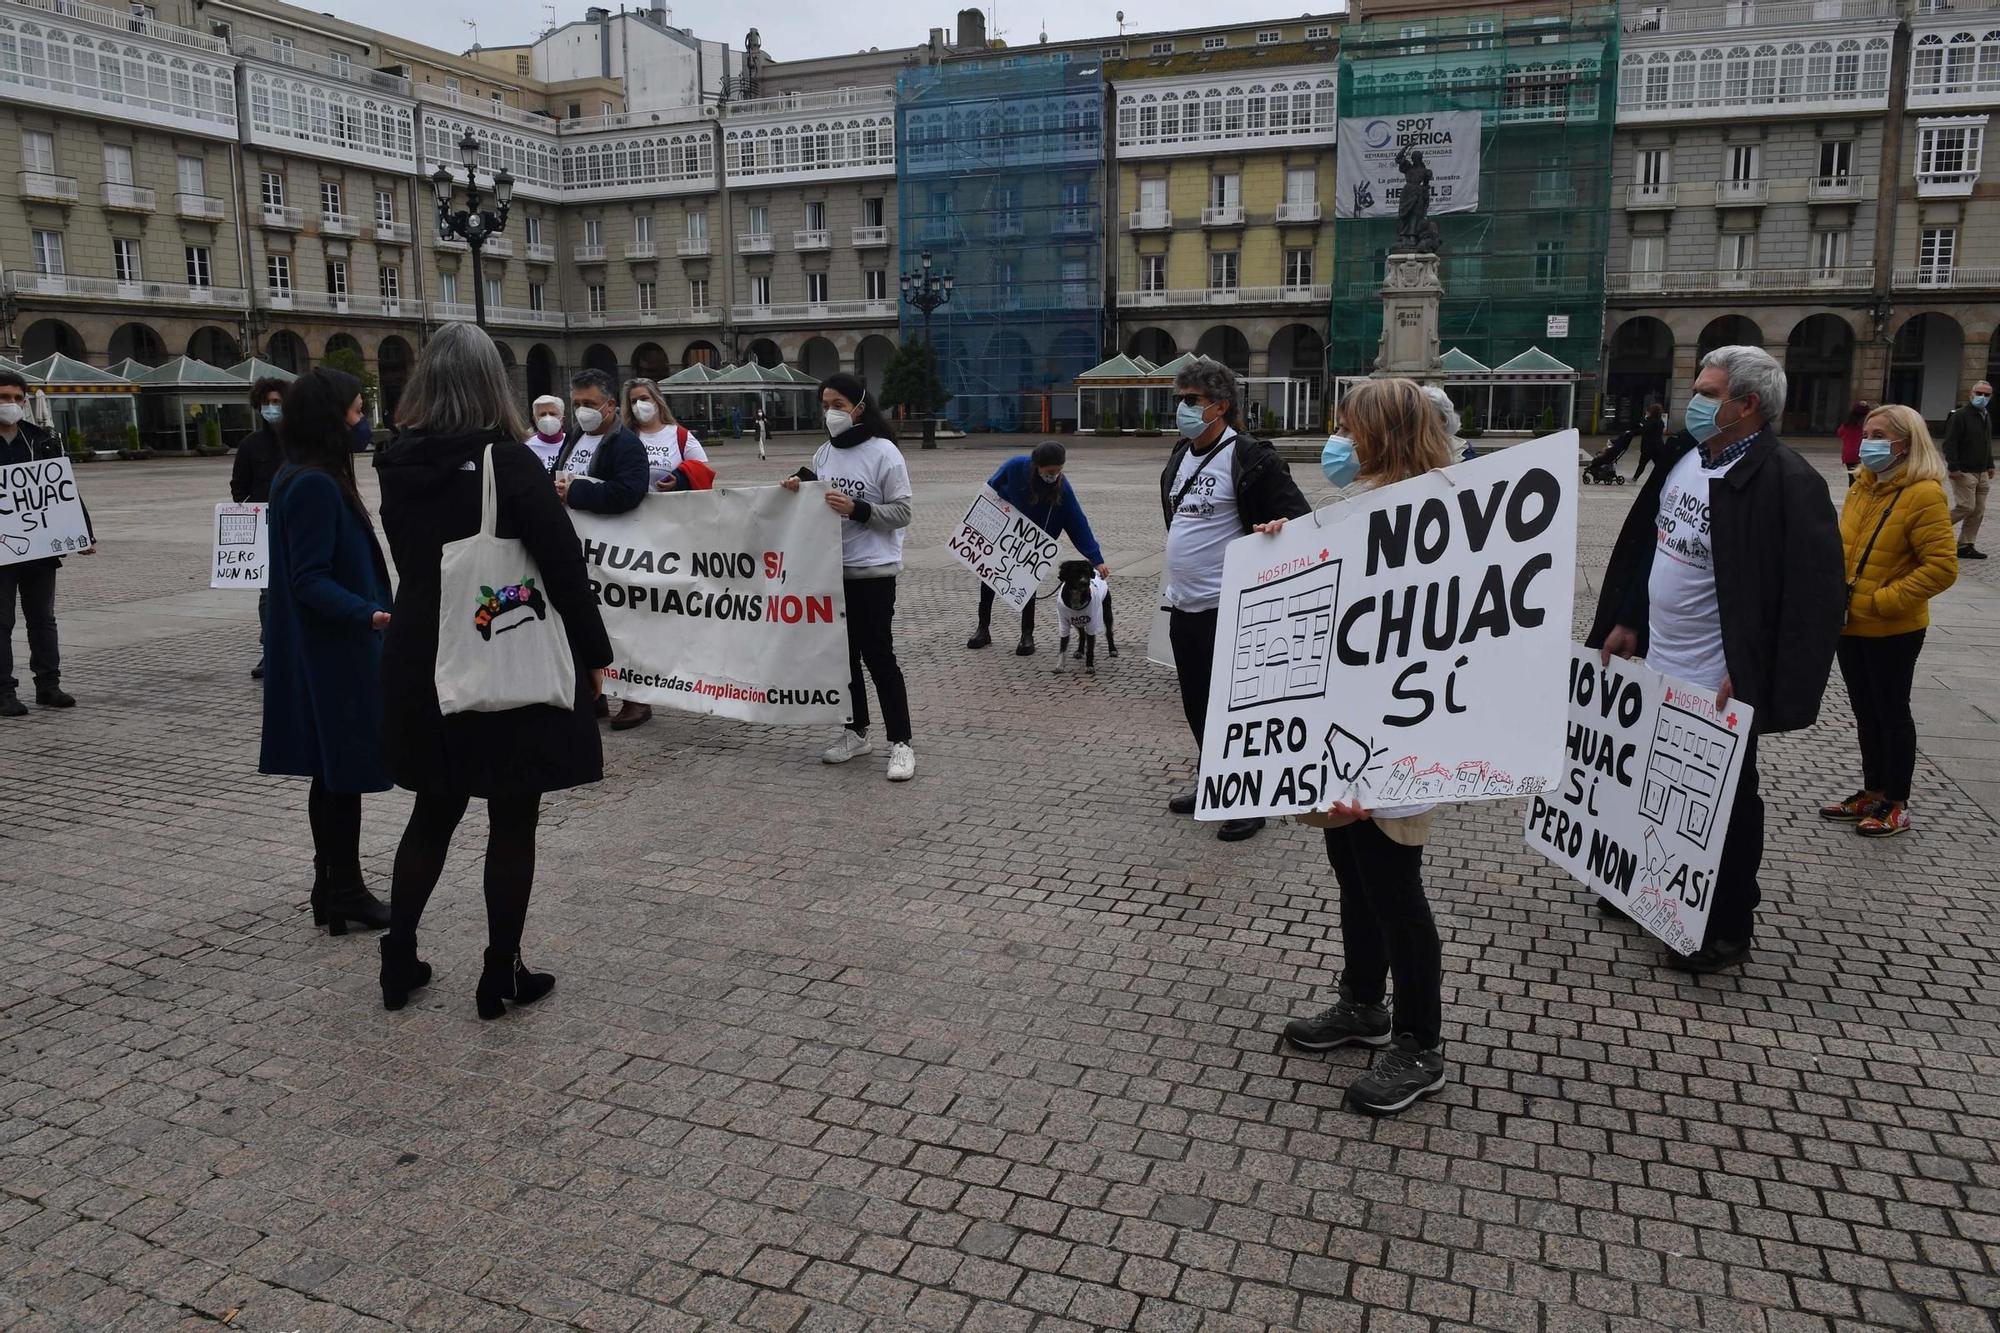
{"x": 902, "y": 761}
{"x": 1714, "y": 956}
{"x": 1855, "y": 807}
{"x": 1346, "y": 1023}
{"x": 851, "y": 745}
{"x": 1398, "y": 1077}
{"x": 1885, "y": 821}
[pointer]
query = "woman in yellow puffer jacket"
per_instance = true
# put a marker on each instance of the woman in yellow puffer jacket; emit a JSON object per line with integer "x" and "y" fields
{"x": 1896, "y": 529}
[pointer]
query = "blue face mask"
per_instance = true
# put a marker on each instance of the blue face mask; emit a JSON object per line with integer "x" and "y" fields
{"x": 363, "y": 432}
{"x": 272, "y": 413}
{"x": 1878, "y": 456}
{"x": 1699, "y": 418}
{"x": 1190, "y": 421}
{"x": 1339, "y": 461}
{"x": 1981, "y": 399}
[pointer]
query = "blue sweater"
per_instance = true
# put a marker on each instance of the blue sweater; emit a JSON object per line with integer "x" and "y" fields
{"x": 1016, "y": 483}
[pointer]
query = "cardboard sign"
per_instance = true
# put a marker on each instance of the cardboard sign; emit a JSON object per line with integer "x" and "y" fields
{"x": 1007, "y": 550}
{"x": 242, "y": 555}
{"x": 40, "y": 513}
{"x": 1409, "y": 645}
{"x": 726, "y": 602}
{"x": 1643, "y": 806}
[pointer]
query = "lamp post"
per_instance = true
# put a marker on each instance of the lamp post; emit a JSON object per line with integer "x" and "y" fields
{"x": 472, "y": 224}
{"x": 927, "y": 290}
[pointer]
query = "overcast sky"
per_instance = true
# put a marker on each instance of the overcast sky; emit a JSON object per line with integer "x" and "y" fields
{"x": 796, "y": 29}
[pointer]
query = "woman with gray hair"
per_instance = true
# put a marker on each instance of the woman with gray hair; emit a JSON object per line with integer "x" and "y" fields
{"x": 456, "y": 405}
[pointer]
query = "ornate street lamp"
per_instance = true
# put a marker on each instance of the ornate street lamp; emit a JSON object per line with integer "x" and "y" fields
{"x": 927, "y": 290}
{"x": 472, "y": 224}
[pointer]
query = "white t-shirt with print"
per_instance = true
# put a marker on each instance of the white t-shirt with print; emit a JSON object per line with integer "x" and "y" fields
{"x": 872, "y": 470}
{"x": 1203, "y": 525}
{"x": 665, "y": 451}
{"x": 1089, "y": 618}
{"x": 1684, "y": 631}
{"x": 545, "y": 450}
{"x": 586, "y": 449}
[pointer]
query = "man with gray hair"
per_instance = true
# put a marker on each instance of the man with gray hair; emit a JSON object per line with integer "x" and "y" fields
{"x": 1217, "y": 485}
{"x": 1729, "y": 573}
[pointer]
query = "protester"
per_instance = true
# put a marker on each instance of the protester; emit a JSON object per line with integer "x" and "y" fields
{"x": 1744, "y": 507}
{"x": 546, "y": 440}
{"x": 32, "y": 582}
{"x": 763, "y": 433}
{"x": 871, "y": 491}
{"x": 455, "y": 405}
{"x": 675, "y": 460}
{"x": 1217, "y": 485}
{"x": 1035, "y": 485}
{"x": 1968, "y": 457}
{"x": 1896, "y": 529}
{"x": 603, "y": 469}
{"x": 1393, "y": 433}
{"x": 329, "y": 605}
{"x": 1447, "y": 412}
{"x": 1652, "y": 441}
{"x": 257, "y": 460}
{"x": 1850, "y": 438}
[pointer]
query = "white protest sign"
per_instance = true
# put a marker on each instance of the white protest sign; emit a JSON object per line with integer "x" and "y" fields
{"x": 1369, "y": 184}
{"x": 40, "y": 514}
{"x": 242, "y": 555}
{"x": 726, "y": 602}
{"x": 1405, "y": 646}
{"x": 1643, "y": 807}
{"x": 1007, "y": 550}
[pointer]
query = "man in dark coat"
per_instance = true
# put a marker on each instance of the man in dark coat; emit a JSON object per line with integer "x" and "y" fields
{"x": 1729, "y": 573}
{"x": 614, "y": 477}
{"x": 258, "y": 459}
{"x": 1968, "y": 457}
{"x": 32, "y": 582}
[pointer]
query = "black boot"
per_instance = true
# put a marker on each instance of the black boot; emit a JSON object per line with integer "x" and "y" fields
{"x": 402, "y": 971}
{"x": 1026, "y": 647}
{"x": 981, "y": 637}
{"x": 348, "y": 903}
{"x": 321, "y": 880}
{"x": 11, "y": 705}
{"x": 53, "y": 696}
{"x": 505, "y": 978}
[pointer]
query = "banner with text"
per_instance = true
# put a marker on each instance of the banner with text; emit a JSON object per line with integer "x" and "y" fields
{"x": 242, "y": 556}
{"x": 726, "y": 602}
{"x": 1643, "y": 806}
{"x": 1369, "y": 184}
{"x": 1408, "y": 645}
{"x": 40, "y": 514}
{"x": 1007, "y": 550}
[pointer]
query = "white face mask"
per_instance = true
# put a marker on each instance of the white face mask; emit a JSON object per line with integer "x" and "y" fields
{"x": 838, "y": 422}
{"x": 11, "y": 413}
{"x": 643, "y": 410}
{"x": 588, "y": 420}
{"x": 549, "y": 425}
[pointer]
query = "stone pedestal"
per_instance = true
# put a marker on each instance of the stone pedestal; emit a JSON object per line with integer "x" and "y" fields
{"x": 1410, "y": 295}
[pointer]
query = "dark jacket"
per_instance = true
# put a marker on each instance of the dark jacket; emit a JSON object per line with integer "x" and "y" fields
{"x": 1968, "y": 440}
{"x": 322, "y": 654}
{"x": 1652, "y": 436}
{"x": 32, "y": 444}
{"x": 1017, "y": 484}
{"x": 257, "y": 462}
{"x": 430, "y": 497}
{"x": 1780, "y": 581}
{"x": 1263, "y": 481}
{"x": 620, "y": 467}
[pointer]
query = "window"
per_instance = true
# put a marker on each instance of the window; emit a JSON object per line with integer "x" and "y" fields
{"x": 49, "y": 254}
{"x": 336, "y": 278}
{"x": 1743, "y": 162}
{"x": 329, "y": 198}
{"x": 448, "y": 288}
{"x": 278, "y": 274}
{"x": 1075, "y": 283}
{"x": 574, "y": 111}
{"x": 284, "y": 50}
{"x": 1225, "y": 191}
{"x": 1481, "y": 31}
{"x": 642, "y": 229}
{"x": 451, "y": 88}
{"x": 274, "y": 190}
{"x": 1216, "y": 42}
{"x": 199, "y": 271}
{"x": 698, "y": 226}
{"x": 389, "y": 282}
{"x": 760, "y": 290}
{"x": 1153, "y": 274}
{"x": 596, "y": 290}
{"x": 535, "y": 296}
{"x": 497, "y": 100}
{"x": 493, "y": 295}
{"x": 38, "y": 152}
{"x": 1937, "y": 250}
{"x": 192, "y": 175}
{"x": 760, "y": 220}
{"x": 385, "y": 207}
{"x": 698, "y": 295}
{"x": 1836, "y": 159}
{"x": 871, "y": 212}
{"x": 1737, "y": 253}
{"x": 1298, "y": 269}
{"x": 125, "y": 258}
{"x": 815, "y": 289}
{"x": 1110, "y": 53}
{"x": 815, "y": 217}
{"x": 1655, "y": 166}
{"x": 1222, "y": 271}
{"x": 534, "y": 231}
{"x": 117, "y": 164}
{"x": 1548, "y": 263}
{"x": 593, "y": 233}
{"x": 647, "y": 302}
{"x": 875, "y": 284}
{"x": 340, "y": 65}
{"x": 1949, "y": 153}
{"x": 1163, "y": 48}
{"x": 1648, "y": 253}
{"x": 1270, "y": 37}
{"x": 1319, "y": 32}
{"x": 1829, "y": 251}
{"x": 1153, "y": 197}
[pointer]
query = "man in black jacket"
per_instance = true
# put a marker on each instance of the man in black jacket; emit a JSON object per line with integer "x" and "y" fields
{"x": 1217, "y": 485}
{"x": 258, "y": 458}
{"x": 32, "y": 581}
{"x": 1729, "y": 573}
{"x": 602, "y": 469}
{"x": 1968, "y": 457}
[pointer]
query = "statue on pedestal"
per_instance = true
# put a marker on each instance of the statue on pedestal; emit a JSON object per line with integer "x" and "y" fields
{"x": 1415, "y": 232}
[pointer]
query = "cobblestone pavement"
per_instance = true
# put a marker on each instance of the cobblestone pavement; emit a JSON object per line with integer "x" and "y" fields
{"x": 995, "y": 1050}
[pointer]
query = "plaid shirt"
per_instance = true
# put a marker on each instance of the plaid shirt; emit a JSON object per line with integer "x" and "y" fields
{"x": 1729, "y": 455}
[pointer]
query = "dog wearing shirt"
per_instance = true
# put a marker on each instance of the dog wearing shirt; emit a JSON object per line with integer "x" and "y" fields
{"x": 1083, "y": 599}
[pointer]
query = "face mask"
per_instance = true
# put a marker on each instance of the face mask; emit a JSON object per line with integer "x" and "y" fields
{"x": 1049, "y": 479}
{"x": 1339, "y": 461}
{"x": 549, "y": 425}
{"x": 838, "y": 422}
{"x": 1878, "y": 456}
{"x": 588, "y": 419}
{"x": 1699, "y": 418}
{"x": 1981, "y": 399}
{"x": 643, "y": 411}
{"x": 11, "y": 413}
{"x": 272, "y": 413}
{"x": 363, "y": 433}
{"x": 1191, "y": 420}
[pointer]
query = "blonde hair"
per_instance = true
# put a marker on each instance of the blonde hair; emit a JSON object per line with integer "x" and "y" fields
{"x": 667, "y": 417}
{"x": 1925, "y": 461}
{"x": 1397, "y": 433}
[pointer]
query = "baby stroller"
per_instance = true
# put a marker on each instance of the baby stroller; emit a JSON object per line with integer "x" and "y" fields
{"x": 1602, "y": 470}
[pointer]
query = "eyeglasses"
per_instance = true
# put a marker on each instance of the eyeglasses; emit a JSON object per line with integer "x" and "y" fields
{"x": 1191, "y": 400}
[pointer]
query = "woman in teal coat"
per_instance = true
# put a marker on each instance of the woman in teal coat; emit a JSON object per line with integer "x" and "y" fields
{"x": 329, "y": 600}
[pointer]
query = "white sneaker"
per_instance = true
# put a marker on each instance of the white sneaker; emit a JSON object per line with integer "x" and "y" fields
{"x": 849, "y": 746}
{"x": 902, "y": 762}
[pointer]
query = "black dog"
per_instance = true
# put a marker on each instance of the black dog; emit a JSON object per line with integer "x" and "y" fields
{"x": 1083, "y": 605}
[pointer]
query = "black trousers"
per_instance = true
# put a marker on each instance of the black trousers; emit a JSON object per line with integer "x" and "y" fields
{"x": 1733, "y": 915}
{"x": 1386, "y": 928}
{"x": 1879, "y": 673}
{"x": 34, "y": 583}
{"x": 336, "y": 829}
{"x": 871, "y": 616}
{"x": 986, "y": 611}
{"x": 510, "y": 864}
{"x": 1192, "y": 634}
